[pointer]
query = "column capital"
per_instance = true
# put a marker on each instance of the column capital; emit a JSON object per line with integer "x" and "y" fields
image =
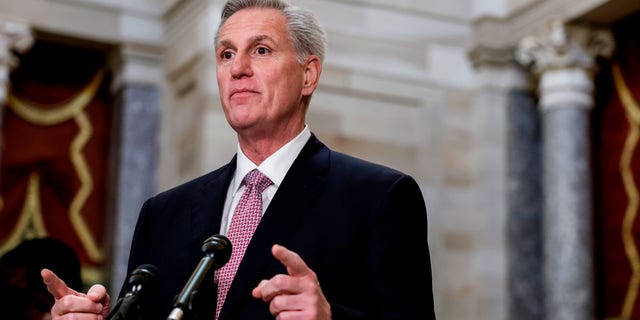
{"x": 564, "y": 59}
{"x": 14, "y": 37}
{"x": 134, "y": 63}
{"x": 564, "y": 47}
{"x": 483, "y": 55}
{"x": 496, "y": 67}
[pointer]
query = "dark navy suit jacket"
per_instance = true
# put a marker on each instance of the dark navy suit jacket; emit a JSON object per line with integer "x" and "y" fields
{"x": 361, "y": 227}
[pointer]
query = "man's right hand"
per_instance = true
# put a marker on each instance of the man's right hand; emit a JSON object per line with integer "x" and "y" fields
{"x": 71, "y": 304}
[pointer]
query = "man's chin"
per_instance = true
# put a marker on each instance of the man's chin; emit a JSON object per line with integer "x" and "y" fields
{"x": 243, "y": 126}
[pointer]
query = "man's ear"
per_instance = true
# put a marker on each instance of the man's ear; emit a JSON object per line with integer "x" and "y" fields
{"x": 312, "y": 71}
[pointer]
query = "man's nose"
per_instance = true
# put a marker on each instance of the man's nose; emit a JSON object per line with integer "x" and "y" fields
{"x": 241, "y": 66}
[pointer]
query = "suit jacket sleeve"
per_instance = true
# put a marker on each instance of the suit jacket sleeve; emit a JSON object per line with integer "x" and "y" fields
{"x": 397, "y": 264}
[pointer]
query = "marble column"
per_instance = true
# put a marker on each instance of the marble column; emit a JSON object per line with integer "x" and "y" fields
{"x": 499, "y": 73}
{"x": 14, "y": 37}
{"x": 564, "y": 60}
{"x": 137, "y": 116}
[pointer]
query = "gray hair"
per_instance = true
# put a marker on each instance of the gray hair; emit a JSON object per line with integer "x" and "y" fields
{"x": 305, "y": 33}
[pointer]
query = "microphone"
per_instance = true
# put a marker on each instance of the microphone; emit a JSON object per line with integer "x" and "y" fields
{"x": 217, "y": 251}
{"x": 142, "y": 280}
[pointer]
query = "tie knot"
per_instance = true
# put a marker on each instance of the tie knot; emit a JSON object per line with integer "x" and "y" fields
{"x": 255, "y": 179}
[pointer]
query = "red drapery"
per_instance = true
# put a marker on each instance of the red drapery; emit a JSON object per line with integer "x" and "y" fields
{"x": 55, "y": 142}
{"x": 617, "y": 179}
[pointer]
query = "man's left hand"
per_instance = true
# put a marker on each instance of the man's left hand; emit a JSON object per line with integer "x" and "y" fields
{"x": 296, "y": 295}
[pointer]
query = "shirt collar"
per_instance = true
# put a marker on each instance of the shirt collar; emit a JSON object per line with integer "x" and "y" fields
{"x": 276, "y": 166}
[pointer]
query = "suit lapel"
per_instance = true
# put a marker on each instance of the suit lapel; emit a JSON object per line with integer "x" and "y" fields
{"x": 205, "y": 212}
{"x": 304, "y": 180}
{"x": 207, "y": 206}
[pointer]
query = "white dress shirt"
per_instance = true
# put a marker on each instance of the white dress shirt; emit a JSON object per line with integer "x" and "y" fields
{"x": 275, "y": 167}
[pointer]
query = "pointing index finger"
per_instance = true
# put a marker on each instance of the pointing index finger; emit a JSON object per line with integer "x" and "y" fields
{"x": 55, "y": 285}
{"x": 295, "y": 265}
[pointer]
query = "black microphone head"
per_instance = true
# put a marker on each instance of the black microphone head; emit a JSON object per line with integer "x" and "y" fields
{"x": 146, "y": 275}
{"x": 136, "y": 300}
{"x": 219, "y": 247}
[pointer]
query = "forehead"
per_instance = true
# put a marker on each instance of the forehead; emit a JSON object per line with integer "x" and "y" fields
{"x": 247, "y": 23}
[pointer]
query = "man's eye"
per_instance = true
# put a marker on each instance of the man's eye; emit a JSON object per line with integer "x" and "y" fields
{"x": 262, "y": 51}
{"x": 227, "y": 55}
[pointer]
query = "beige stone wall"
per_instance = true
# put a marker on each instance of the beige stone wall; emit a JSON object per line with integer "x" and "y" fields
{"x": 98, "y": 20}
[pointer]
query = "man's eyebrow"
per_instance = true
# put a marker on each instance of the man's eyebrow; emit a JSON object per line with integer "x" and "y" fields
{"x": 225, "y": 43}
{"x": 261, "y": 37}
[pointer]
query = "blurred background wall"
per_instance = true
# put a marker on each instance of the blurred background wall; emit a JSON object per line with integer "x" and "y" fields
{"x": 518, "y": 118}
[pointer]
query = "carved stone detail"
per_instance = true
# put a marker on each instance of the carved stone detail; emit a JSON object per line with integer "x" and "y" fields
{"x": 14, "y": 37}
{"x": 562, "y": 47}
{"x": 564, "y": 59}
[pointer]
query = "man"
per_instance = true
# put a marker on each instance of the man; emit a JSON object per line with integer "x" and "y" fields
{"x": 339, "y": 238}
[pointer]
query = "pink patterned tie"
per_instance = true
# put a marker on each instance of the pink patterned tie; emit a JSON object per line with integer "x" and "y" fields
{"x": 243, "y": 223}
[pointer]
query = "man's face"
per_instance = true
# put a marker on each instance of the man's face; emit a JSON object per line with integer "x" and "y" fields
{"x": 261, "y": 82}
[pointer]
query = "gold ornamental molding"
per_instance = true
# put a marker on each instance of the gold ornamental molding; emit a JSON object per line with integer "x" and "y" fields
{"x": 30, "y": 224}
{"x": 632, "y": 112}
{"x": 47, "y": 115}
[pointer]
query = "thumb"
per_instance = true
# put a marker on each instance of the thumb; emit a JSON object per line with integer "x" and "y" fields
{"x": 98, "y": 294}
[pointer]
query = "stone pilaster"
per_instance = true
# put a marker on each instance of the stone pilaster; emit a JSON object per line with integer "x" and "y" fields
{"x": 136, "y": 88}
{"x": 564, "y": 60}
{"x": 499, "y": 73}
